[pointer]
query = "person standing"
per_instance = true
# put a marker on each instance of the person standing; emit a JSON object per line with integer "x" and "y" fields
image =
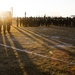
{"x": 0, "y": 24}
{"x": 9, "y": 23}
{"x": 4, "y": 25}
{"x": 20, "y": 21}
{"x": 17, "y": 21}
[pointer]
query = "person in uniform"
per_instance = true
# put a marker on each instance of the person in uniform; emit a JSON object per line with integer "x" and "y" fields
{"x": 9, "y": 23}
{"x": 0, "y": 24}
{"x": 20, "y": 22}
{"x": 17, "y": 20}
{"x": 4, "y": 25}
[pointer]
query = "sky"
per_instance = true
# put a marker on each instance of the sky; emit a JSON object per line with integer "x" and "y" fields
{"x": 35, "y": 8}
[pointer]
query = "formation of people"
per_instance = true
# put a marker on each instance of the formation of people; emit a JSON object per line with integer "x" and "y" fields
{"x": 45, "y": 21}
{"x": 5, "y": 24}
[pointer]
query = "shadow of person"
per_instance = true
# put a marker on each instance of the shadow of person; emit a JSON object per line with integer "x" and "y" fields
{"x": 27, "y": 63}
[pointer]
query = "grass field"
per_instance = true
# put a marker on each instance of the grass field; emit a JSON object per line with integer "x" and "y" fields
{"x": 38, "y": 51}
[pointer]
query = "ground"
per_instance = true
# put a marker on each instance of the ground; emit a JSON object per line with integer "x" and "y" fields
{"x": 38, "y": 51}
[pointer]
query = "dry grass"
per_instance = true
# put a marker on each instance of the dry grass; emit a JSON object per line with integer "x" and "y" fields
{"x": 40, "y": 40}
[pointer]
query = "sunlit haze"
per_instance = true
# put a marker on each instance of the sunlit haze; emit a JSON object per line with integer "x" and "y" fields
{"x": 39, "y": 7}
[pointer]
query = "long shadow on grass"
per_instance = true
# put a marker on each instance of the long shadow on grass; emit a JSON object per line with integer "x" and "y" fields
{"x": 58, "y": 48}
{"x": 1, "y": 38}
{"x": 29, "y": 67}
{"x": 55, "y": 40}
{"x": 11, "y": 65}
{"x": 20, "y": 30}
{"x": 3, "y": 56}
{"x": 37, "y": 31}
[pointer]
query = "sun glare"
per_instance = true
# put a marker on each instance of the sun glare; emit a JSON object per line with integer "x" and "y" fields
{"x": 38, "y": 7}
{"x": 4, "y": 7}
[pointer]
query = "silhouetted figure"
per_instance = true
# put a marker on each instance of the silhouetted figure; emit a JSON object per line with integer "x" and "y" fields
{"x": 17, "y": 21}
{"x": 9, "y": 23}
{"x": 8, "y": 27}
{"x": 4, "y": 25}
{"x": 23, "y": 21}
{"x": 0, "y": 25}
{"x": 20, "y": 21}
